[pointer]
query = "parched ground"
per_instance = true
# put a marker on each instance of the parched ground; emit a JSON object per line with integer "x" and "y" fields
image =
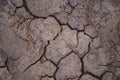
{"x": 59, "y": 39}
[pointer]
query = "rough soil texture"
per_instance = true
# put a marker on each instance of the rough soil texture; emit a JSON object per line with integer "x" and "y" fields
{"x": 59, "y": 39}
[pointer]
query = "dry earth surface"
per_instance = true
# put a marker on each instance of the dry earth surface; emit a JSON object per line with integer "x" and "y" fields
{"x": 59, "y": 39}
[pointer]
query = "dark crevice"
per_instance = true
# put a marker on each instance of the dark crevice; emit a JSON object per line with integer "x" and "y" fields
{"x": 88, "y": 34}
{"x": 104, "y": 74}
{"x": 22, "y": 22}
{"x": 56, "y": 20}
{"x": 92, "y": 75}
{"x": 12, "y": 2}
{"x": 77, "y": 39}
{"x": 54, "y": 65}
{"x": 16, "y": 7}
{"x": 4, "y": 66}
{"x": 45, "y": 48}
{"x": 54, "y": 75}
{"x": 80, "y": 76}
{"x": 21, "y": 37}
{"x": 15, "y": 4}
{"x": 41, "y": 77}
{"x": 88, "y": 50}
{"x": 89, "y": 73}
{"x": 64, "y": 57}
{"x": 15, "y": 59}
{"x": 6, "y": 63}
{"x": 26, "y": 7}
{"x": 82, "y": 63}
{"x": 72, "y": 78}
{"x": 56, "y": 36}
{"x": 39, "y": 58}
{"x": 31, "y": 65}
{"x": 61, "y": 29}
{"x": 65, "y": 24}
{"x": 59, "y": 63}
{"x": 75, "y": 28}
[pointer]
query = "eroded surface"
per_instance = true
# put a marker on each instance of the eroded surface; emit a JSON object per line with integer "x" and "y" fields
{"x": 59, "y": 39}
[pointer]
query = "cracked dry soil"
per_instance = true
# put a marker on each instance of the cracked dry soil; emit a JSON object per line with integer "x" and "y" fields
{"x": 59, "y": 39}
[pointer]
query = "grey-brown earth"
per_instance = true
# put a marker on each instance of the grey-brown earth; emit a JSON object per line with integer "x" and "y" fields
{"x": 59, "y": 39}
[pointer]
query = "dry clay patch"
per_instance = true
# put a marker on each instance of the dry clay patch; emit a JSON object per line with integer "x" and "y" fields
{"x": 83, "y": 49}
{"x": 18, "y": 65}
